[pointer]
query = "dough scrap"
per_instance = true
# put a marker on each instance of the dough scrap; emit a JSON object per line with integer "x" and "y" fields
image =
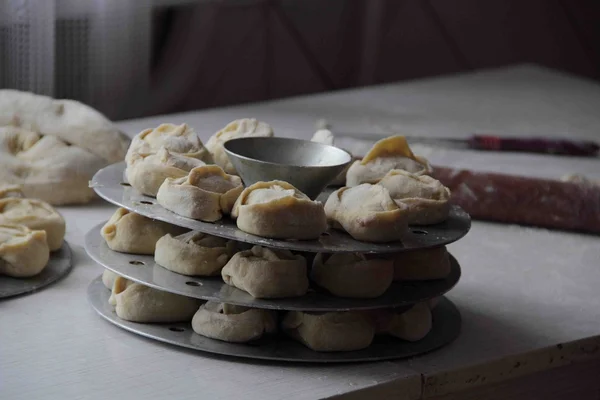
{"x": 267, "y": 273}
{"x": 385, "y": 155}
{"x": 206, "y": 193}
{"x": 420, "y": 265}
{"x": 68, "y": 120}
{"x": 368, "y": 213}
{"x": 146, "y": 174}
{"x": 194, "y": 253}
{"x": 36, "y": 215}
{"x": 276, "y": 209}
{"x": 427, "y": 199}
{"x": 138, "y": 303}
{"x": 246, "y": 127}
{"x": 352, "y": 274}
{"x": 45, "y": 167}
{"x": 332, "y": 331}
{"x": 23, "y": 252}
{"x": 128, "y": 232}
{"x": 234, "y": 324}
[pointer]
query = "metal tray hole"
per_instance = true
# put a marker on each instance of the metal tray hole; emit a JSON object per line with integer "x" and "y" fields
{"x": 125, "y": 184}
{"x": 176, "y": 329}
{"x": 146, "y": 202}
{"x": 193, "y": 283}
{"x": 136, "y": 262}
{"x": 419, "y": 232}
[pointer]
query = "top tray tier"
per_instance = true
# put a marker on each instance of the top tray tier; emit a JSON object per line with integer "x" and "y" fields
{"x": 109, "y": 183}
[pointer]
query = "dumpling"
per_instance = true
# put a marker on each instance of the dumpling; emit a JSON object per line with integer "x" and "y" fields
{"x": 276, "y": 209}
{"x": 386, "y": 155}
{"x": 23, "y": 252}
{"x": 325, "y": 136}
{"x": 427, "y": 199}
{"x": 352, "y": 274}
{"x": 267, "y": 273}
{"x": 420, "y": 265}
{"x": 146, "y": 174}
{"x": 128, "y": 232}
{"x": 332, "y": 331}
{"x": 180, "y": 139}
{"x": 411, "y": 325}
{"x": 234, "y": 324}
{"x": 194, "y": 253}
{"x": 138, "y": 303}
{"x": 206, "y": 193}
{"x": 108, "y": 278}
{"x": 368, "y": 213}
{"x": 46, "y": 168}
{"x": 11, "y": 191}
{"x": 247, "y": 127}
{"x": 36, "y": 215}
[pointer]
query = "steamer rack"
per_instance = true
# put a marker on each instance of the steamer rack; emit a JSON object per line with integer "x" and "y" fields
{"x": 109, "y": 184}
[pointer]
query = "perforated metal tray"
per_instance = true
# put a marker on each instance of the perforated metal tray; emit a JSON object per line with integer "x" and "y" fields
{"x": 144, "y": 270}
{"x": 109, "y": 183}
{"x": 59, "y": 266}
{"x": 446, "y": 328}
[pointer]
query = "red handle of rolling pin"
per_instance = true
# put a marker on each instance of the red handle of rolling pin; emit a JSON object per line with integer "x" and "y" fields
{"x": 534, "y": 145}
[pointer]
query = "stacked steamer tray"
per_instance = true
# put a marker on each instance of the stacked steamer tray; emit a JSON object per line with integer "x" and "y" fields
{"x": 401, "y": 296}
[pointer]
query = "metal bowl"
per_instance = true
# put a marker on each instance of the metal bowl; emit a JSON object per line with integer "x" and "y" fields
{"x": 309, "y": 166}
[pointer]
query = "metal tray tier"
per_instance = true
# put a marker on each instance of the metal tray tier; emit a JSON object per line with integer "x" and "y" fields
{"x": 109, "y": 183}
{"x": 446, "y": 327}
{"x": 144, "y": 270}
{"x": 60, "y": 265}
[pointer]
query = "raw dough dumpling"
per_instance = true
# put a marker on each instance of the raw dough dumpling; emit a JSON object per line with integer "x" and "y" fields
{"x": 427, "y": 199}
{"x": 70, "y": 121}
{"x": 108, "y": 278}
{"x": 420, "y": 265}
{"x": 247, "y": 127}
{"x": 411, "y": 325}
{"x": 194, "y": 253}
{"x": 146, "y": 174}
{"x": 138, "y": 303}
{"x": 23, "y": 252}
{"x": 128, "y": 232}
{"x": 352, "y": 274}
{"x": 234, "y": 324}
{"x": 386, "y": 155}
{"x": 11, "y": 191}
{"x": 36, "y": 215}
{"x": 46, "y": 168}
{"x": 180, "y": 139}
{"x": 368, "y": 213}
{"x": 267, "y": 273}
{"x": 206, "y": 193}
{"x": 326, "y": 137}
{"x": 276, "y": 209}
{"x": 332, "y": 331}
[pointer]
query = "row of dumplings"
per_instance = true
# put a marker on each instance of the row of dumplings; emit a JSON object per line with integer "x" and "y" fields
{"x": 269, "y": 273}
{"x": 29, "y": 230}
{"x": 330, "y": 331}
{"x": 387, "y": 190}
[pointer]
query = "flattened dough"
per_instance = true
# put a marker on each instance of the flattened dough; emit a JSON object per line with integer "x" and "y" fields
{"x": 194, "y": 253}
{"x": 23, "y": 252}
{"x": 352, "y": 274}
{"x": 276, "y": 209}
{"x": 138, "y": 303}
{"x": 267, "y": 273}
{"x": 206, "y": 193}
{"x": 386, "y": 155}
{"x": 68, "y": 120}
{"x": 45, "y": 167}
{"x": 234, "y": 324}
{"x": 246, "y": 127}
{"x": 368, "y": 213}
{"x": 333, "y": 331}
{"x": 420, "y": 265}
{"x": 36, "y": 215}
{"x": 427, "y": 199}
{"x": 128, "y": 232}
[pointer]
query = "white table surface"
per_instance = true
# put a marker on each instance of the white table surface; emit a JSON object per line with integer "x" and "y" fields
{"x": 528, "y": 297}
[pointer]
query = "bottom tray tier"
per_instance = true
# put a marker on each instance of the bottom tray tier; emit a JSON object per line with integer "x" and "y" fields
{"x": 58, "y": 266}
{"x": 446, "y": 327}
